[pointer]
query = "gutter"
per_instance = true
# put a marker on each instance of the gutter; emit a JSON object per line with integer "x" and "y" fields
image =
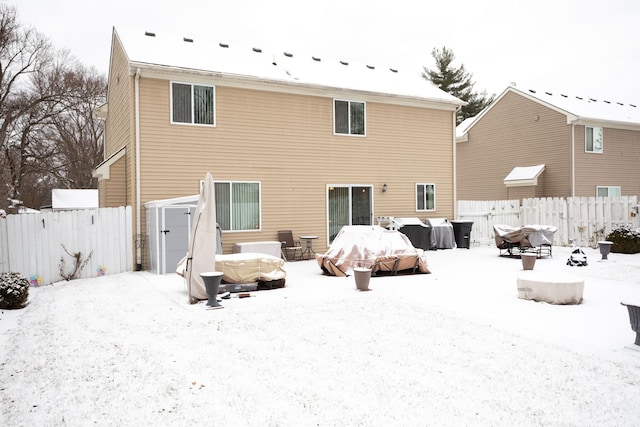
{"x": 296, "y": 87}
{"x": 137, "y": 132}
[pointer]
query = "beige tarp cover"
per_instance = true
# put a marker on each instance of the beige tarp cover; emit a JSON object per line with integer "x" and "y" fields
{"x": 527, "y": 235}
{"x": 550, "y": 288}
{"x": 202, "y": 242}
{"x": 245, "y": 267}
{"x": 248, "y": 267}
{"x": 374, "y": 247}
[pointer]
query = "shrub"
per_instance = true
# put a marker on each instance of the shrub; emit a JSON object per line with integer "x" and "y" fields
{"x": 626, "y": 240}
{"x": 14, "y": 290}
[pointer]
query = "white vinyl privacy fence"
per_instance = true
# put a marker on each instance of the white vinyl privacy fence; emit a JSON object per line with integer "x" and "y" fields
{"x": 580, "y": 220}
{"x": 49, "y": 247}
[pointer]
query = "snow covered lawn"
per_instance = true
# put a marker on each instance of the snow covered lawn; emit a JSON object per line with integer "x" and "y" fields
{"x": 455, "y": 347}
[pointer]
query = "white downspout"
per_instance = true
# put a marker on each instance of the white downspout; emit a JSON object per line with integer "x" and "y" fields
{"x": 573, "y": 160}
{"x": 137, "y": 130}
{"x": 455, "y": 169}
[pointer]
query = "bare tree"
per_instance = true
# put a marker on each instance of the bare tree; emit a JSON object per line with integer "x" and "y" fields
{"x": 22, "y": 53}
{"x": 48, "y": 135}
{"x": 76, "y": 132}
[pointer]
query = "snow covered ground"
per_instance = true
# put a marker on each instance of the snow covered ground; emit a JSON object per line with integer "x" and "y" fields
{"x": 455, "y": 347}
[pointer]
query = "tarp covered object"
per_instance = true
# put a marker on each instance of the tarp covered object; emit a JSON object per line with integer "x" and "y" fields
{"x": 526, "y": 235}
{"x": 202, "y": 242}
{"x": 246, "y": 267}
{"x": 374, "y": 247}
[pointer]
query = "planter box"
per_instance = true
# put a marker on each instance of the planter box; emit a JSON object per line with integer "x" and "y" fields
{"x": 634, "y": 319}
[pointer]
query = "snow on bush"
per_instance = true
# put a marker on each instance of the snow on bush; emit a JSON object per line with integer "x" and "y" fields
{"x": 626, "y": 239}
{"x": 14, "y": 290}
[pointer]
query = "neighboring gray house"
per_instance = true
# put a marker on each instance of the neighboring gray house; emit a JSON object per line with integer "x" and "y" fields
{"x": 530, "y": 143}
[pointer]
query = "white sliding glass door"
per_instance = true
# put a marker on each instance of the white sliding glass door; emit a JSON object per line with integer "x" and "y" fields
{"x": 348, "y": 205}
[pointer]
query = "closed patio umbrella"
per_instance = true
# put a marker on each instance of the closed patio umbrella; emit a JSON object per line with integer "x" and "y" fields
{"x": 201, "y": 256}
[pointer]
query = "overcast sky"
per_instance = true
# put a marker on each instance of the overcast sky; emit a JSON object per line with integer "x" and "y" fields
{"x": 586, "y": 47}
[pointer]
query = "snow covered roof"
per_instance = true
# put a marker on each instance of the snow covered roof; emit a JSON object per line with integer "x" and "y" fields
{"x": 522, "y": 176}
{"x": 461, "y": 129}
{"x": 585, "y": 108}
{"x": 145, "y": 49}
{"x": 578, "y": 109}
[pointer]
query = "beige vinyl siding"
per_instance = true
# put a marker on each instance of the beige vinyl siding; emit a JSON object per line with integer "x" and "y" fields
{"x": 286, "y": 142}
{"x": 119, "y": 129}
{"x": 514, "y": 132}
{"x": 617, "y": 165}
{"x": 119, "y": 132}
{"x": 115, "y": 188}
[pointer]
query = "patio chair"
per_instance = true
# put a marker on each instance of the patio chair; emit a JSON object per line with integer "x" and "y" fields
{"x": 289, "y": 244}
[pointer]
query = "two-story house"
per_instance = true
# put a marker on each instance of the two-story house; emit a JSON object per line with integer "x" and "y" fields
{"x": 531, "y": 143}
{"x": 293, "y": 141}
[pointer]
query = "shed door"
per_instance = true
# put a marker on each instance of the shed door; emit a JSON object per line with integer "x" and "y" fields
{"x": 174, "y": 235}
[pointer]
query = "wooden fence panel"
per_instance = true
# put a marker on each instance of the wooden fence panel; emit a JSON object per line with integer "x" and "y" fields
{"x": 580, "y": 220}
{"x": 35, "y": 245}
{"x": 487, "y": 213}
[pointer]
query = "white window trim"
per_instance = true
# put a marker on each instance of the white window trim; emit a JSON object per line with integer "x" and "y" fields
{"x": 215, "y": 106}
{"x": 349, "y": 101}
{"x": 259, "y": 205}
{"x": 608, "y": 187}
{"x": 424, "y": 184}
{"x": 585, "y": 140}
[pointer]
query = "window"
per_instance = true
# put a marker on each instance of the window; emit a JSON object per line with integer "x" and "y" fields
{"x": 238, "y": 206}
{"x": 608, "y": 191}
{"x": 593, "y": 142}
{"x": 425, "y": 197}
{"x": 348, "y": 117}
{"x": 194, "y": 104}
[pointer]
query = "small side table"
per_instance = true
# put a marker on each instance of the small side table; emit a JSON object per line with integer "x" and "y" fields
{"x": 308, "y": 248}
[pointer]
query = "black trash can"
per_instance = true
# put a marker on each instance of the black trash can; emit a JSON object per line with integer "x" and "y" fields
{"x": 462, "y": 233}
{"x": 419, "y": 236}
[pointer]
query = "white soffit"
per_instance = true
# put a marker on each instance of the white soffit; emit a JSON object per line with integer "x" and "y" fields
{"x": 523, "y": 176}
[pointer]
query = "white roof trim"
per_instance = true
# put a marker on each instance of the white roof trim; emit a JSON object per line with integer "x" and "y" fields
{"x": 186, "y": 200}
{"x": 524, "y": 176}
{"x": 102, "y": 171}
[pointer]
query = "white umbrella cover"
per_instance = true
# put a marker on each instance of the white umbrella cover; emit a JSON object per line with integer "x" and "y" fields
{"x": 201, "y": 256}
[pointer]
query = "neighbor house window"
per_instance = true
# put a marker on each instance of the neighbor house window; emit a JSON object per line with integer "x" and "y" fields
{"x": 348, "y": 117}
{"x": 608, "y": 191}
{"x": 238, "y": 205}
{"x": 425, "y": 197}
{"x": 593, "y": 139}
{"x": 194, "y": 104}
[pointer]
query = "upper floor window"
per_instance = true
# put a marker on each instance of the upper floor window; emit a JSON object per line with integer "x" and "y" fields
{"x": 194, "y": 104}
{"x": 425, "y": 197}
{"x": 593, "y": 142}
{"x": 238, "y": 205}
{"x": 348, "y": 117}
{"x": 608, "y": 191}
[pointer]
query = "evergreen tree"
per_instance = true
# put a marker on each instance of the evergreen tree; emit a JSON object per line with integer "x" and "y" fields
{"x": 457, "y": 82}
